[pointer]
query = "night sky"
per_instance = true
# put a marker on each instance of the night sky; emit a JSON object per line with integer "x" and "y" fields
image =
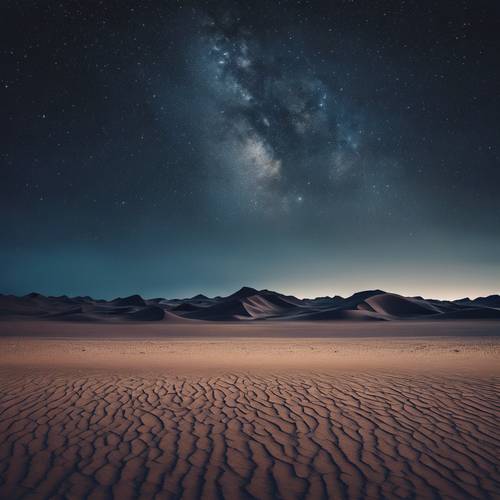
{"x": 170, "y": 148}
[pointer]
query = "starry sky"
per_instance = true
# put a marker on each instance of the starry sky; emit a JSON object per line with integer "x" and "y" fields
{"x": 317, "y": 148}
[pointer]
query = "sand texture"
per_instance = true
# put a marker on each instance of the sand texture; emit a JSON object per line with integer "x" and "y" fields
{"x": 122, "y": 419}
{"x": 237, "y": 436}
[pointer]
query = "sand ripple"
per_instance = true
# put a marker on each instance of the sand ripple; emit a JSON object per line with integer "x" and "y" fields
{"x": 241, "y": 436}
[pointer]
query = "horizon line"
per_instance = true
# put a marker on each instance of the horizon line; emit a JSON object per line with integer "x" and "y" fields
{"x": 212, "y": 296}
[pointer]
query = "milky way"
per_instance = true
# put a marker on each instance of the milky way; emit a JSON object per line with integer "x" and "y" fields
{"x": 281, "y": 134}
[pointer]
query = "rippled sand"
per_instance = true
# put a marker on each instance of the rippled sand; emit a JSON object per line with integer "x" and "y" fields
{"x": 372, "y": 418}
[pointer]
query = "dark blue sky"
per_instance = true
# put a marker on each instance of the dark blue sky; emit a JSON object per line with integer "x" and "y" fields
{"x": 316, "y": 148}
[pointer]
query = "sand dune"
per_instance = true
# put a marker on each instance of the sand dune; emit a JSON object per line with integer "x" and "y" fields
{"x": 395, "y": 305}
{"x": 249, "y": 304}
{"x": 132, "y": 300}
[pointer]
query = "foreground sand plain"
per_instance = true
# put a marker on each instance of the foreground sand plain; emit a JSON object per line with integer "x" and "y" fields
{"x": 393, "y": 417}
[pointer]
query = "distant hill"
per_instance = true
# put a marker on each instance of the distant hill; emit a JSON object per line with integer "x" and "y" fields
{"x": 248, "y": 304}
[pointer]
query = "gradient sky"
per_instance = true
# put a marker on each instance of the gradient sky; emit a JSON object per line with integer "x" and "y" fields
{"x": 317, "y": 148}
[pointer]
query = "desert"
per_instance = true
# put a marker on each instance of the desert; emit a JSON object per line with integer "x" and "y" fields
{"x": 250, "y": 250}
{"x": 249, "y": 409}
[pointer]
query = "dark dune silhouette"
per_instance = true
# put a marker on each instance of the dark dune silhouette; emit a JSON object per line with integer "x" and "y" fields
{"x": 224, "y": 310}
{"x": 148, "y": 313}
{"x": 133, "y": 300}
{"x": 200, "y": 296}
{"x": 249, "y": 304}
{"x": 490, "y": 301}
{"x": 186, "y": 307}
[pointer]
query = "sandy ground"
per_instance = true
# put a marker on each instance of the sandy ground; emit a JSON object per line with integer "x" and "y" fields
{"x": 394, "y": 417}
{"x": 258, "y": 329}
{"x": 177, "y": 356}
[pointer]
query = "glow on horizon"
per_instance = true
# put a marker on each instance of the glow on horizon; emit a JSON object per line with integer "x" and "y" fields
{"x": 311, "y": 292}
{"x": 440, "y": 295}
